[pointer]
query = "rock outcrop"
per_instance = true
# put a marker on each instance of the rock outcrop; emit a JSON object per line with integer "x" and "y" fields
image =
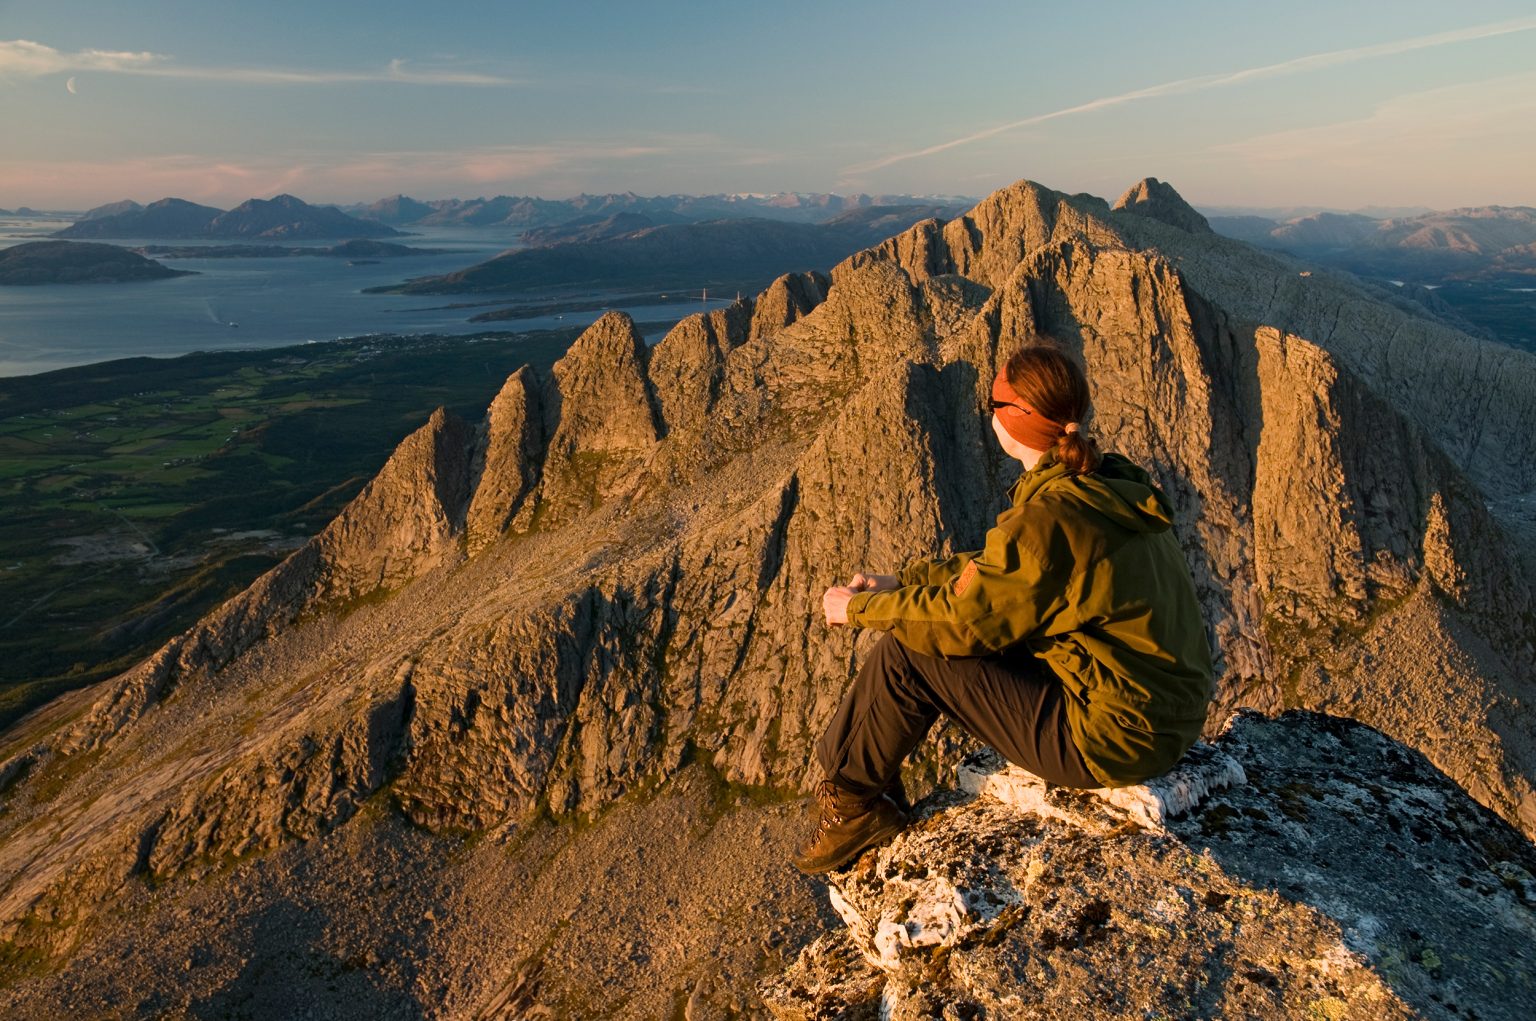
{"x": 619, "y": 575}
{"x": 506, "y": 468}
{"x": 406, "y": 520}
{"x": 601, "y": 417}
{"x": 1344, "y": 877}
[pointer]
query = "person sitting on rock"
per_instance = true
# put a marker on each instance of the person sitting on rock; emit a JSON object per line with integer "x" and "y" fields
{"x": 1073, "y": 643}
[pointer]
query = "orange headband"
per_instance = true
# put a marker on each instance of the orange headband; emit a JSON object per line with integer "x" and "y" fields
{"x": 1020, "y": 420}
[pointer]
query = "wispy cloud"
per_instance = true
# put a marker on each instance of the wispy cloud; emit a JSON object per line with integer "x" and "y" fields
{"x": 1453, "y": 145}
{"x": 1298, "y": 65}
{"x": 684, "y": 90}
{"x": 22, "y": 58}
{"x": 1462, "y": 119}
{"x": 25, "y": 59}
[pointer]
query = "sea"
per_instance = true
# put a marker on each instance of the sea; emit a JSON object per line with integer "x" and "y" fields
{"x": 253, "y": 303}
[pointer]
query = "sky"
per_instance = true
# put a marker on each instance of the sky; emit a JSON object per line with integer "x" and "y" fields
{"x": 1336, "y": 104}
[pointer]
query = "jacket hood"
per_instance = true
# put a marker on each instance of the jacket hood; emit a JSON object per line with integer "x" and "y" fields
{"x": 1120, "y": 490}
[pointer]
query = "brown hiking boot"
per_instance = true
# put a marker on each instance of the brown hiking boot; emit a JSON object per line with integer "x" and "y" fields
{"x": 849, "y": 826}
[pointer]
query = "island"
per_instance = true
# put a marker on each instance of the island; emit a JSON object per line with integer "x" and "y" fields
{"x": 77, "y": 262}
{"x": 357, "y": 249}
{"x": 745, "y": 252}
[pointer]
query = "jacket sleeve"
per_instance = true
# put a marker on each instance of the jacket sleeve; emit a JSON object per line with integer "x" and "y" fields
{"x": 1001, "y": 595}
{"x": 935, "y": 572}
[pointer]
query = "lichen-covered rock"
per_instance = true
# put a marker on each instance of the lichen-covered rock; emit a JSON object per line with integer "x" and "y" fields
{"x": 1346, "y": 877}
{"x": 1202, "y": 771}
{"x": 829, "y": 981}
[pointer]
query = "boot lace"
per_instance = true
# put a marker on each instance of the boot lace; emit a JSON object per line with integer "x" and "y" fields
{"x": 826, "y": 800}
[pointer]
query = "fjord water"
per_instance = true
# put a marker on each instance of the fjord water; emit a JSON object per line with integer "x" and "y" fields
{"x": 273, "y": 301}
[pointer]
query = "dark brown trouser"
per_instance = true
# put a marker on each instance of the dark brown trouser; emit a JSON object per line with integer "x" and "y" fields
{"x": 1009, "y": 700}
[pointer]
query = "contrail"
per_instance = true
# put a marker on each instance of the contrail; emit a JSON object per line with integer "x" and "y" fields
{"x": 1211, "y": 81}
{"x": 397, "y": 72}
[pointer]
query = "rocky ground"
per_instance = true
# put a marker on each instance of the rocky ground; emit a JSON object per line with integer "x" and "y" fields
{"x": 671, "y": 904}
{"x": 1342, "y": 877}
{"x": 1335, "y": 875}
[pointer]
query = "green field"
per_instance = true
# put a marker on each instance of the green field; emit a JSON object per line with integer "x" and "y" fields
{"x": 1509, "y": 311}
{"x": 138, "y": 494}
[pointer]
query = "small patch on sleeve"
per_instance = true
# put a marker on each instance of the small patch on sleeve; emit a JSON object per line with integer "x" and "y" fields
{"x": 966, "y": 577}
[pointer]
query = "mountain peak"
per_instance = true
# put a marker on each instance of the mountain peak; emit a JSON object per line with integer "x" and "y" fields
{"x": 1155, "y": 200}
{"x": 605, "y": 402}
{"x": 288, "y": 216}
{"x": 283, "y": 201}
{"x": 112, "y": 209}
{"x": 610, "y": 340}
{"x": 506, "y": 461}
{"x": 601, "y": 416}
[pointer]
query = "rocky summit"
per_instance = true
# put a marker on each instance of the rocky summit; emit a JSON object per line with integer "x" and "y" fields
{"x": 1337, "y": 874}
{"x": 524, "y": 731}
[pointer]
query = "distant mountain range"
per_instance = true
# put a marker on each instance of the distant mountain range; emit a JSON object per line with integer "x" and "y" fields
{"x": 355, "y": 249}
{"x": 729, "y": 252}
{"x": 66, "y": 262}
{"x": 588, "y": 228}
{"x": 1282, "y": 213}
{"x": 1479, "y": 243}
{"x": 284, "y": 218}
{"x": 531, "y": 212}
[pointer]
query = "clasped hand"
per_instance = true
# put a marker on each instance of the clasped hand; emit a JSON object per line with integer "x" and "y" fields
{"x": 834, "y": 603}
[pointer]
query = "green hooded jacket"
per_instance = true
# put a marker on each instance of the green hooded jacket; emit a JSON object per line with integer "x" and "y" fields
{"x": 1086, "y": 571}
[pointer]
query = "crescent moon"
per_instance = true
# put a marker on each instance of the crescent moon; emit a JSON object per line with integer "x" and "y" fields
{"x": 70, "y": 85}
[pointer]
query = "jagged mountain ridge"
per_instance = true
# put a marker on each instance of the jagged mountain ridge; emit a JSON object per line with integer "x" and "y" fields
{"x": 619, "y": 571}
